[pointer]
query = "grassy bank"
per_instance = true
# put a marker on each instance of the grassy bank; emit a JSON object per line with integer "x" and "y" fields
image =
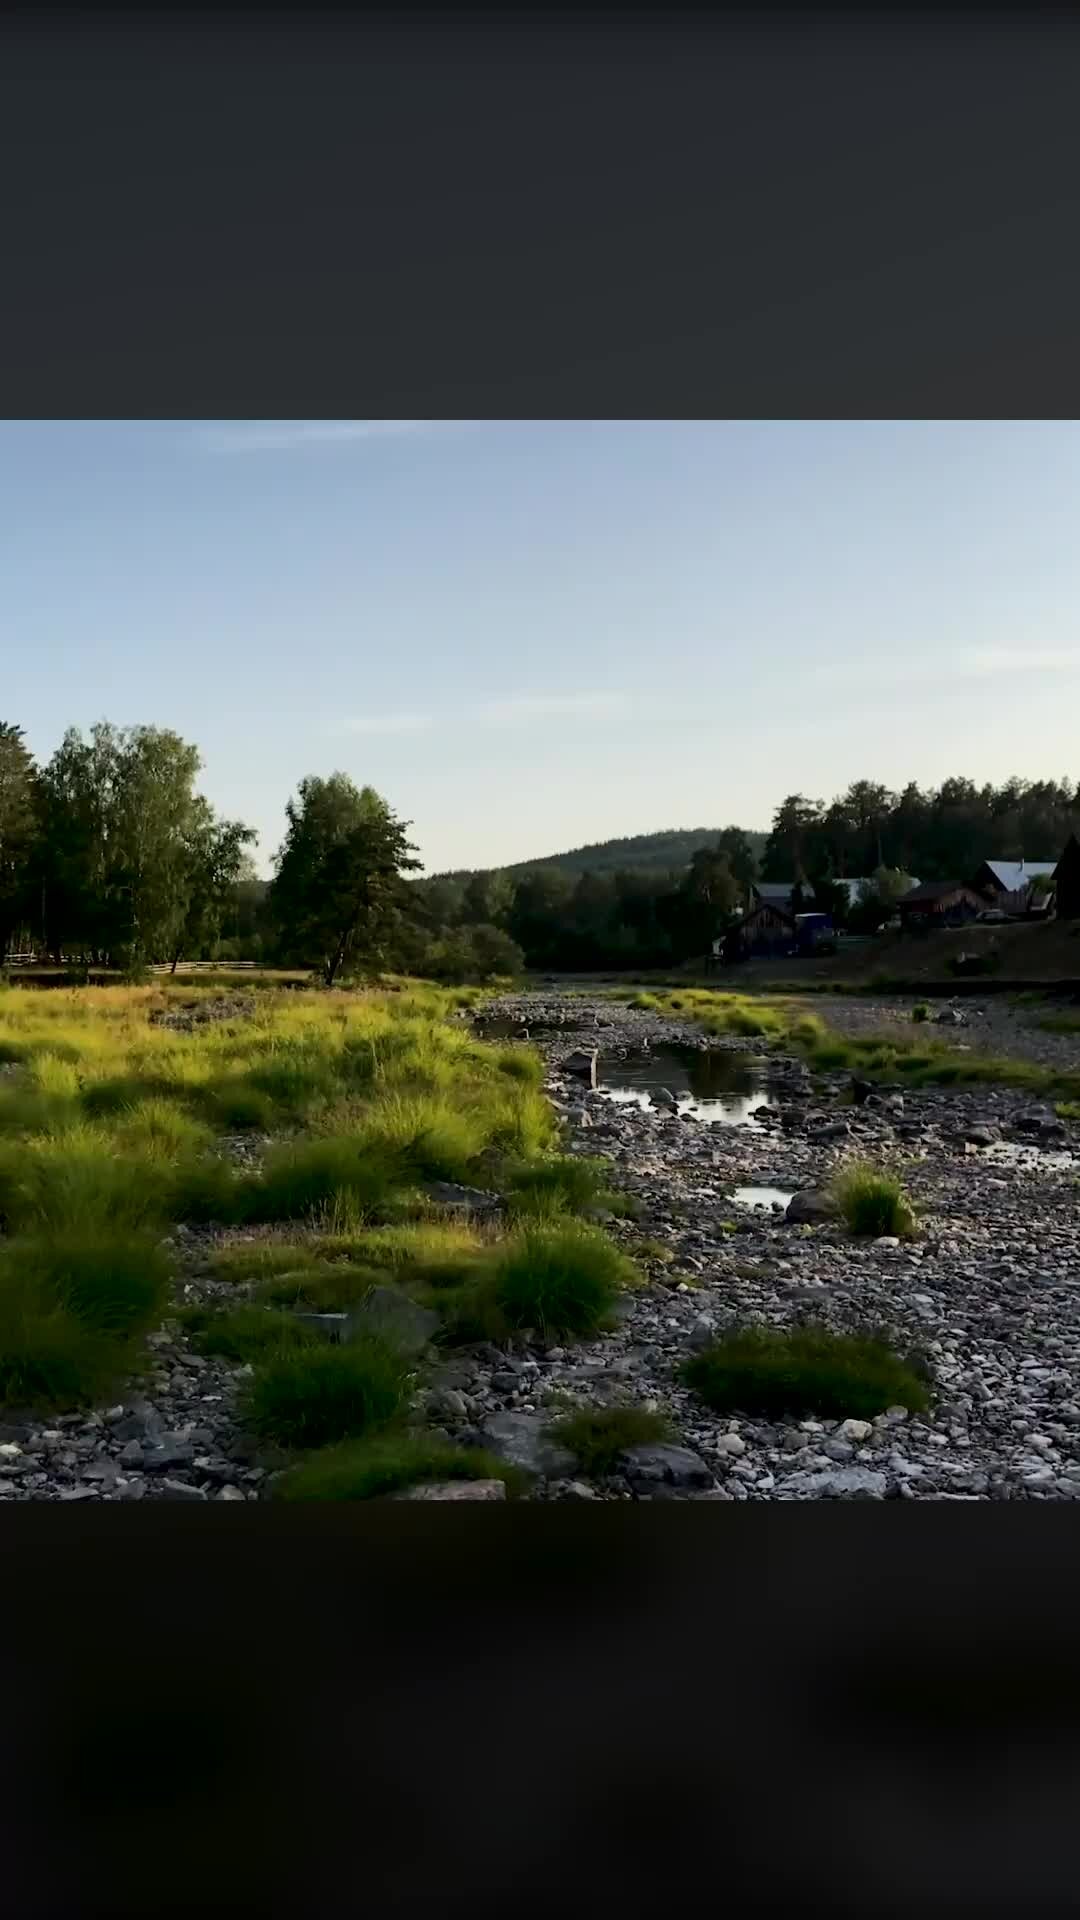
{"x": 119, "y": 1107}
{"x": 786, "y": 1024}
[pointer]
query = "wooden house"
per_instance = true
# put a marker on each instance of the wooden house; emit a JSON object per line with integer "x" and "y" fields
{"x": 940, "y": 903}
{"x": 1007, "y": 883}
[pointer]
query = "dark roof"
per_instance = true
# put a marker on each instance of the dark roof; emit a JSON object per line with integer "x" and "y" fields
{"x": 774, "y": 889}
{"x": 932, "y": 890}
{"x": 769, "y": 906}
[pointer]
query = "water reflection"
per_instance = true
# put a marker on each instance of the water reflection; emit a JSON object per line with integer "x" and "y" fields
{"x": 711, "y": 1083}
{"x": 761, "y": 1197}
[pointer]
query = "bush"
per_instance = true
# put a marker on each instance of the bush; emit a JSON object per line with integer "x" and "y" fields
{"x": 369, "y": 1469}
{"x": 323, "y": 1287}
{"x": 873, "y": 1203}
{"x": 920, "y": 1012}
{"x": 598, "y": 1435}
{"x": 424, "y": 1136}
{"x": 805, "y": 1371}
{"x": 322, "y": 1394}
{"x": 245, "y": 1333}
{"x": 562, "y": 1280}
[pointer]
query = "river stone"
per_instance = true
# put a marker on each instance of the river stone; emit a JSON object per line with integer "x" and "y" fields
{"x": 809, "y": 1206}
{"x": 852, "y": 1483}
{"x": 454, "y": 1490}
{"x": 647, "y": 1467}
{"x": 582, "y": 1063}
{"x": 459, "y": 1199}
{"x": 395, "y": 1317}
{"x": 521, "y": 1439}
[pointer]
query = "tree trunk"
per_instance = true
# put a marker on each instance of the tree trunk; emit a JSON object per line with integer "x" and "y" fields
{"x": 172, "y": 969}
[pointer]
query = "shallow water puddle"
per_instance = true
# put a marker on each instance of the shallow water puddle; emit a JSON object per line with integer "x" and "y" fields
{"x": 710, "y": 1083}
{"x": 764, "y": 1197}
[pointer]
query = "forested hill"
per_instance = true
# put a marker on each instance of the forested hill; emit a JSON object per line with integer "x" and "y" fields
{"x": 643, "y": 852}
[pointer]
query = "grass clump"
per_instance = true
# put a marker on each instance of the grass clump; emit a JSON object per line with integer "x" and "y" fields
{"x": 566, "y": 1183}
{"x": 806, "y": 1370}
{"x": 318, "y": 1395}
{"x": 597, "y": 1436}
{"x": 301, "y": 1180}
{"x": 330, "y": 1286}
{"x": 873, "y": 1203}
{"x": 562, "y": 1280}
{"x": 244, "y": 1333}
{"x": 258, "y": 1259}
{"x": 372, "y": 1469}
{"x": 77, "y": 1179}
{"x": 110, "y": 1281}
{"x": 920, "y": 1013}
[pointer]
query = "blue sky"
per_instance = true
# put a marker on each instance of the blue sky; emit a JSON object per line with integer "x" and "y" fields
{"x": 532, "y": 635}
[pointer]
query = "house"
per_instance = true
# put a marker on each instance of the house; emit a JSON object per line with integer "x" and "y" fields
{"x": 939, "y": 903}
{"x": 772, "y": 893}
{"x": 768, "y": 929}
{"x": 1007, "y": 883}
{"x": 1067, "y": 881}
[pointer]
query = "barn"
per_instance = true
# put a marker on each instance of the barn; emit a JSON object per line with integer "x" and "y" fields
{"x": 1007, "y": 883}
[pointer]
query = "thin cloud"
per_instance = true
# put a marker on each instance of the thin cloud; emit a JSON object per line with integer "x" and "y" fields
{"x": 979, "y": 663}
{"x": 390, "y": 723}
{"x": 1022, "y": 660}
{"x": 518, "y": 709}
{"x": 540, "y": 706}
{"x": 280, "y": 436}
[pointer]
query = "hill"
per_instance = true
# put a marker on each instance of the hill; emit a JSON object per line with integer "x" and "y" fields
{"x": 644, "y": 852}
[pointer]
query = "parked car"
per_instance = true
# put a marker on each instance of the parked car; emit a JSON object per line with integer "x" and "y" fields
{"x": 992, "y": 917}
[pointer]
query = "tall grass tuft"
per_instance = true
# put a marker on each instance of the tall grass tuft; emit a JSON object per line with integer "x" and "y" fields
{"x": 322, "y": 1394}
{"x": 873, "y": 1203}
{"x": 807, "y": 1370}
{"x": 598, "y": 1436}
{"x": 562, "y": 1280}
{"x": 372, "y": 1469}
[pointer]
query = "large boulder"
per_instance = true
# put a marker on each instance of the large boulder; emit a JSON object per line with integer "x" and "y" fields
{"x": 459, "y": 1199}
{"x": 522, "y": 1440}
{"x": 394, "y": 1317}
{"x": 834, "y": 1483}
{"x": 651, "y": 1468}
{"x": 810, "y": 1207}
{"x": 582, "y": 1064}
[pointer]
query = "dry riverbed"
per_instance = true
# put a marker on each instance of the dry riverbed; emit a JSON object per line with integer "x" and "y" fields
{"x": 989, "y": 1294}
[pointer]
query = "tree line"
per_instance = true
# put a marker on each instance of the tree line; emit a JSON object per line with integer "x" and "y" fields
{"x": 942, "y": 833}
{"x": 109, "y": 856}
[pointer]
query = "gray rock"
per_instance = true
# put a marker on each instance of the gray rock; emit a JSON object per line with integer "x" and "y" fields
{"x": 979, "y": 1135}
{"x": 459, "y": 1199}
{"x": 173, "y": 1450}
{"x": 394, "y": 1317}
{"x": 663, "y": 1097}
{"x": 851, "y": 1483}
{"x": 648, "y": 1467}
{"x": 180, "y": 1490}
{"x": 446, "y": 1403}
{"x": 582, "y": 1064}
{"x": 812, "y": 1205}
{"x": 454, "y": 1490}
{"x": 521, "y": 1439}
{"x": 703, "y": 1332}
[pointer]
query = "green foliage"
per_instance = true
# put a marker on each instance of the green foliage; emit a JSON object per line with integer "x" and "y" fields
{"x": 599, "y": 1435}
{"x": 329, "y": 1286}
{"x": 373, "y": 1469}
{"x": 873, "y": 1203}
{"x": 807, "y": 1370}
{"x": 920, "y": 1012}
{"x": 339, "y": 887}
{"x": 301, "y": 1180}
{"x": 318, "y": 1395}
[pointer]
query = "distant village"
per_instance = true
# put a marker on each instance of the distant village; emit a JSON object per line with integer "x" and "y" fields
{"x": 784, "y": 917}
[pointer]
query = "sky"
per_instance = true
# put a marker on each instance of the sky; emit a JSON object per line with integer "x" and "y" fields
{"x": 532, "y": 635}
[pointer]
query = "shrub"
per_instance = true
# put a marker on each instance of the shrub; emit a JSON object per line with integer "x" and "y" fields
{"x": 921, "y": 1012}
{"x": 873, "y": 1203}
{"x": 598, "y": 1435}
{"x": 562, "y": 1280}
{"x": 370, "y": 1469}
{"x": 244, "y": 1333}
{"x": 325, "y": 1287}
{"x": 322, "y": 1394}
{"x": 424, "y": 1136}
{"x": 807, "y": 1370}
